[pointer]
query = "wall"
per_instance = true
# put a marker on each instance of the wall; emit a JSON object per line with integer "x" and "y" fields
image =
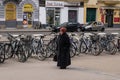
{"x": 42, "y": 15}
{"x": 2, "y": 16}
{"x": 64, "y": 15}
{"x": 116, "y": 15}
{"x": 92, "y": 2}
{"x": 81, "y": 15}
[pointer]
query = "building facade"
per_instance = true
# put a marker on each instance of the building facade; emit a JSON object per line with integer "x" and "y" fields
{"x": 19, "y": 13}
{"x": 109, "y": 12}
{"x": 90, "y": 10}
{"x": 58, "y": 12}
{"x": 106, "y": 11}
{"x": 28, "y": 13}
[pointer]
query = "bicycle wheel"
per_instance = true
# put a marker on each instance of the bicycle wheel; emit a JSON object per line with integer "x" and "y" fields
{"x": 49, "y": 52}
{"x": 41, "y": 53}
{"x": 101, "y": 48}
{"x": 21, "y": 55}
{"x": 82, "y": 47}
{"x": 72, "y": 51}
{"x": 40, "y": 56}
{"x": 111, "y": 48}
{"x": 27, "y": 51}
{"x": 50, "y": 49}
{"x": 95, "y": 49}
{"x": 8, "y": 51}
{"x": 2, "y": 54}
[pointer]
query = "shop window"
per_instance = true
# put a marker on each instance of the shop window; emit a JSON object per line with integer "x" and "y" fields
{"x": 28, "y": 14}
{"x": 53, "y": 16}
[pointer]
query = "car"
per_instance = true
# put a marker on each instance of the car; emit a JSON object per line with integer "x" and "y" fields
{"x": 71, "y": 27}
{"x": 93, "y": 26}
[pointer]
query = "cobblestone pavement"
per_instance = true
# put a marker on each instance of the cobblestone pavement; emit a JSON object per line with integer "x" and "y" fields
{"x": 84, "y": 67}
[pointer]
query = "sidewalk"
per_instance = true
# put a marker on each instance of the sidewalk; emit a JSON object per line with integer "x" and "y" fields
{"x": 112, "y": 29}
{"x": 23, "y": 30}
{"x": 39, "y": 30}
{"x": 85, "y": 67}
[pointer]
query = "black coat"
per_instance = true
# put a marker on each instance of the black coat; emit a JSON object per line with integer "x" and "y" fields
{"x": 63, "y": 50}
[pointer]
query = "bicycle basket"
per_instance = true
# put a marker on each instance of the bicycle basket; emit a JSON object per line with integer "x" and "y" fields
{"x": 26, "y": 40}
{"x": 94, "y": 38}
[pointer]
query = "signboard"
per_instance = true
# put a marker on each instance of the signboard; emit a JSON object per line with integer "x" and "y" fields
{"x": 28, "y": 8}
{"x": 54, "y": 4}
{"x": 76, "y": 4}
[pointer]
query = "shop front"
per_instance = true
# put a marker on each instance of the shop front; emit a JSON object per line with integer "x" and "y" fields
{"x": 28, "y": 15}
{"x": 19, "y": 13}
{"x": 58, "y": 12}
{"x": 53, "y": 11}
{"x": 109, "y": 12}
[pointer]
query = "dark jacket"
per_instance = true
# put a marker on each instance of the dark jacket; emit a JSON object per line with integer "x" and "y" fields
{"x": 63, "y": 50}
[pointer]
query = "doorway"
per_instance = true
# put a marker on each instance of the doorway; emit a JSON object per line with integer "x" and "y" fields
{"x": 28, "y": 15}
{"x": 10, "y": 15}
{"x": 91, "y": 14}
{"x": 72, "y": 15}
{"x": 109, "y": 17}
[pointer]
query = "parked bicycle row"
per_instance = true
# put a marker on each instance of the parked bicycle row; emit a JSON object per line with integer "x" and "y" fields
{"x": 24, "y": 46}
{"x": 95, "y": 43}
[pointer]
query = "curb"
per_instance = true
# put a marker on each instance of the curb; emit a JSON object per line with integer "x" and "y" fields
{"x": 112, "y": 29}
{"x": 24, "y": 30}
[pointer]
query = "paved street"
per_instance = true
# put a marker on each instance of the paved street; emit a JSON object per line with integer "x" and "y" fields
{"x": 27, "y": 40}
{"x": 84, "y": 67}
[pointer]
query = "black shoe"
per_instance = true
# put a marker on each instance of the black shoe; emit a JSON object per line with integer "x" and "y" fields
{"x": 62, "y": 67}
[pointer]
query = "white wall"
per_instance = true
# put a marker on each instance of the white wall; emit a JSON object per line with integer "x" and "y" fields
{"x": 81, "y": 15}
{"x": 64, "y": 15}
{"x": 42, "y": 15}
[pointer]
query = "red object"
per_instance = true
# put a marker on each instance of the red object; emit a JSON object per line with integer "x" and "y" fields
{"x": 63, "y": 29}
{"x": 101, "y": 11}
{"x": 116, "y": 19}
{"x": 24, "y": 22}
{"x": 102, "y": 18}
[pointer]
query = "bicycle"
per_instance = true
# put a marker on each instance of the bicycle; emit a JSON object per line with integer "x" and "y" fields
{"x": 15, "y": 47}
{"x": 2, "y": 53}
{"x": 36, "y": 46}
{"x": 89, "y": 44}
{"x": 107, "y": 43}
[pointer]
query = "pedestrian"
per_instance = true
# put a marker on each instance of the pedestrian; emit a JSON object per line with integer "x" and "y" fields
{"x": 63, "y": 49}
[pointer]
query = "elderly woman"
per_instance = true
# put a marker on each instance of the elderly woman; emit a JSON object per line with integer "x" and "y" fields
{"x": 63, "y": 49}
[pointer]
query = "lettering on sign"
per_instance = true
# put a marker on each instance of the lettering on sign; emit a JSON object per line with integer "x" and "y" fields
{"x": 28, "y": 8}
{"x": 54, "y": 4}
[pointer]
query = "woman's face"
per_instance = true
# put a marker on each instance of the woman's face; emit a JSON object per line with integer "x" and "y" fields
{"x": 61, "y": 32}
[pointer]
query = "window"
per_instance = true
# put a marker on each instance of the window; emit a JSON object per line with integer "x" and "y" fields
{"x": 53, "y": 16}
